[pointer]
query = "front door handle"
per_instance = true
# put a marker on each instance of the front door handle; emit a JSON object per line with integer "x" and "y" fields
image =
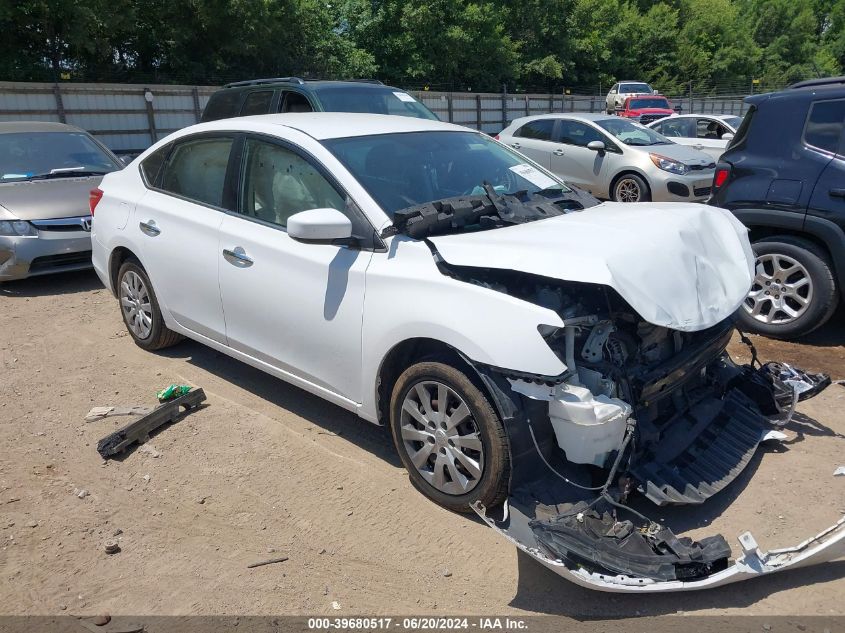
{"x": 558, "y": 152}
{"x": 149, "y": 227}
{"x": 837, "y": 193}
{"x": 515, "y": 145}
{"x": 238, "y": 257}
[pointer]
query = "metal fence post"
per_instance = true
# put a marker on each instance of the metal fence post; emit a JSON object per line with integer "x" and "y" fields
{"x": 449, "y": 107}
{"x": 60, "y": 106}
{"x": 151, "y": 119}
{"x": 478, "y": 122}
{"x": 504, "y": 106}
{"x": 527, "y": 106}
{"x": 196, "y": 94}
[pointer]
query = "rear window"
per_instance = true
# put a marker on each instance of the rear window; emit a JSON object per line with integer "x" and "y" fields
{"x": 375, "y": 100}
{"x": 222, "y": 104}
{"x": 540, "y": 130}
{"x": 257, "y": 103}
{"x": 636, "y": 104}
{"x": 824, "y": 125}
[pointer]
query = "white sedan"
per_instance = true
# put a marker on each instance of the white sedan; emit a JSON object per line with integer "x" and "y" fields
{"x": 709, "y": 133}
{"x": 506, "y": 328}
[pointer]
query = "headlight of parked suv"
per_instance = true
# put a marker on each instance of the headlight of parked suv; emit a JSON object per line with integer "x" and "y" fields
{"x": 667, "y": 164}
{"x": 17, "y": 228}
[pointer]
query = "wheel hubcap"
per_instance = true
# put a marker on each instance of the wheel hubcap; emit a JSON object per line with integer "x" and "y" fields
{"x": 628, "y": 190}
{"x": 782, "y": 290}
{"x": 135, "y": 304}
{"x": 441, "y": 437}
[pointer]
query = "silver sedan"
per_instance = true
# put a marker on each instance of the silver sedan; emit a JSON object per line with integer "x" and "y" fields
{"x": 47, "y": 171}
{"x": 613, "y": 158}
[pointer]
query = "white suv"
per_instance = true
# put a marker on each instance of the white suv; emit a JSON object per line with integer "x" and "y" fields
{"x": 617, "y": 94}
{"x": 505, "y": 327}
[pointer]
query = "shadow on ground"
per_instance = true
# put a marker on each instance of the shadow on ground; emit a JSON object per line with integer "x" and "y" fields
{"x": 57, "y": 284}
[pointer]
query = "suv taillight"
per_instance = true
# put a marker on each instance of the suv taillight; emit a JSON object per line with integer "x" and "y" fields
{"x": 94, "y": 198}
{"x": 720, "y": 176}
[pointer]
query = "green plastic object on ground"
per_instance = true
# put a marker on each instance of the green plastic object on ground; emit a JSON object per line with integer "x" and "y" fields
{"x": 173, "y": 391}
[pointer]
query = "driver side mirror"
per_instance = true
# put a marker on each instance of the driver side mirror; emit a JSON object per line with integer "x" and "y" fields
{"x": 655, "y": 92}
{"x": 319, "y": 225}
{"x": 727, "y": 136}
{"x": 597, "y": 146}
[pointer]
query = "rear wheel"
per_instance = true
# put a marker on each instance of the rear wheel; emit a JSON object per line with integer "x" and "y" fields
{"x": 449, "y": 437}
{"x": 140, "y": 310}
{"x": 630, "y": 188}
{"x": 794, "y": 291}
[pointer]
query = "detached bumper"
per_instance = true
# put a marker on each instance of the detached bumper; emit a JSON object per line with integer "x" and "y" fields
{"x": 50, "y": 252}
{"x": 825, "y": 546}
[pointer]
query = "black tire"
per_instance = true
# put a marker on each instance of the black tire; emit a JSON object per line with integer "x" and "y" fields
{"x": 159, "y": 335}
{"x": 492, "y": 486}
{"x": 632, "y": 179}
{"x": 825, "y": 294}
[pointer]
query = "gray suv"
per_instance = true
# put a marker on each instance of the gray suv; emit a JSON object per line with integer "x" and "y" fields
{"x": 47, "y": 171}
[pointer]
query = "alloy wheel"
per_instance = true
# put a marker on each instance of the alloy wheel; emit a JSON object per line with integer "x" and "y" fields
{"x": 135, "y": 304}
{"x": 441, "y": 438}
{"x": 628, "y": 190}
{"x": 782, "y": 290}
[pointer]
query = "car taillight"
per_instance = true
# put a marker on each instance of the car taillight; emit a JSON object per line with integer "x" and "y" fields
{"x": 496, "y": 136}
{"x": 720, "y": 177}
{"x": 94, "y": 198}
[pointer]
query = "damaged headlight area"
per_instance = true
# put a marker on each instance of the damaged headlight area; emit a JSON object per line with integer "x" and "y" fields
{"x": 641, "y": 412}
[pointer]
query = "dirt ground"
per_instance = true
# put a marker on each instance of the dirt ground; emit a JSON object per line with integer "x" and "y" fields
{"x": 267, "y": 470}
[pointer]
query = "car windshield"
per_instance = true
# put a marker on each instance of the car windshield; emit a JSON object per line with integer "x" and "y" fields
{"x": 27, "y": 155}
{"x": 634, "y": 88}
{"x": 733, "y": 121}
{"x": 375, "y": 100}
{"x": 438, "y": 182}
{"x": 632, "y": 133}
{"x": 654, "y": 102}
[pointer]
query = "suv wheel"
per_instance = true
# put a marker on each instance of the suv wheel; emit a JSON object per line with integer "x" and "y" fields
{"x": 794, "y": 291}
{"x": 139, "y": 308}
{"x": 630, "y": 188}
{"x": 449, "y": 437}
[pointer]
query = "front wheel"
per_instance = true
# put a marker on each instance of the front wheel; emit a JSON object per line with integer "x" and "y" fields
{"x": 630, "y": 188}
{"x": 794, "y": 291}
{"x": 449, "y": 437}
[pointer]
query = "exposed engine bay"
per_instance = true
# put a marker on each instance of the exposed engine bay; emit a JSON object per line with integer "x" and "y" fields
{"x": 641, "y": 412}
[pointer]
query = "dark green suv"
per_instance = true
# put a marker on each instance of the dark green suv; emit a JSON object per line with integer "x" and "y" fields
{"x": 292, "y": 94}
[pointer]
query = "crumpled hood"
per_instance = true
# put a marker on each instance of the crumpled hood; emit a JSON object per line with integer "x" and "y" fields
{"x": 684, "y": 153}
{"x": 682, "y": 266}
{"x": 47, "y": 199}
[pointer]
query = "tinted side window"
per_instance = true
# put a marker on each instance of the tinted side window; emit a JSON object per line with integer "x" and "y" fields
{"x": 295, "y": 102}
{"x": 196, "y": 169}
{"x": 676, "y": 128}
{"x": 575, "y": 133}
{"x": 278, "y": 183}
{"x": 257, "y": 103}
{"x": 151, "y": 165}
{"x": 708, "y": 128}
{"x": 824, "y": 125}
{"x": 540, "y": 130}
{"x": 221, "y": 105}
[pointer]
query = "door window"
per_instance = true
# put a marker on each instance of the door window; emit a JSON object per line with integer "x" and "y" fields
{"x": 196, "y": 170}
{"x": 575, "y": 133}
{"x": 824, "y": 125}
{"x": 677, "y": 128}
{"x": 257, "y": 102}
{"x": 277, "y": 183}
{"x": 709, "y": 128}
{"x": 539, "y": 130}
{"x": 295, "y": 102}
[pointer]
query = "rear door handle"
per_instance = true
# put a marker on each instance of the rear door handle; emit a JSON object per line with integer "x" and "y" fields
{"x": 515, "y": 145}
{"x": 558, "y": 152}
{"x": 837, "y": 193}
{"x": 149, "y": 227}
{"x": 238, "y": 257}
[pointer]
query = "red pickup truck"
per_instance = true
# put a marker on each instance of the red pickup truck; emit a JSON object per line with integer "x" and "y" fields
{"x": 646, "y": 108}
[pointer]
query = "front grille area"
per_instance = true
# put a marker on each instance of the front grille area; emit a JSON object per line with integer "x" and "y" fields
{"x": 701, "y": 167}
{"x": 649, "y": 118}
{"x": 64, "y": 224}
{"x": 701, "y": 191}
{"x": 49, "y": 262}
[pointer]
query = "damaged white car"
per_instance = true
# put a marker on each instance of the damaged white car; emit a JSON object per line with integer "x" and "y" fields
{"x": 539, "y": 358}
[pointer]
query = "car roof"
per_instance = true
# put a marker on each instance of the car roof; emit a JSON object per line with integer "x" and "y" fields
{"x": 578, "y": 116}
{"x": 306, "y": 83}
{"x": 329, "y": 125}
{"x": 10, "y": 127}
{"x": 721, "y": 117}
{"x": 631, "y": 81}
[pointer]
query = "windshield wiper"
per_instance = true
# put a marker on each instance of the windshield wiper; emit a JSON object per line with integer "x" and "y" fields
{"x": 68, "y": 172}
